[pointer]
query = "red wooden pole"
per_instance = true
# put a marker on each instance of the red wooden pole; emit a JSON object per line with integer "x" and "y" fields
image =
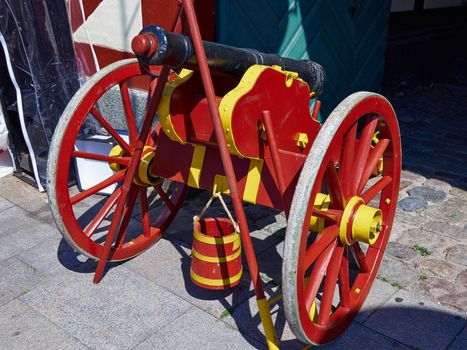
{"x": 224, "y": 152}
{"x": 275, "y": 159}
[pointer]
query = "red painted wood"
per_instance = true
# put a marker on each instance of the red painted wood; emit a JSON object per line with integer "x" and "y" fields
{"x": 316, "y": 255}
{"x": 102, "y": 214}
{"x": 372, "y": 162}
{"x": 120, "y": 160}
{"x": 72, "y": 225}
{"x": 332, "y": 273}
{"x": 119, "y": 176}
{"x": 222, "y": 143}
{"x": 129, "y": 114}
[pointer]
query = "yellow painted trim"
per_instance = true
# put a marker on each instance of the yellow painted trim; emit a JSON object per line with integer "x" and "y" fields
{"x": 196, "y": 166}
{"x": 236, "y": 244}
{"x": 216, "y": 282}
{"x": 143, "y": 167}
{"x": 266, "y": 320}
{"x": 313, "y": 312}
{"x": 302, "y": 140}
{"x": 230, "y": 100}
{"x": 253, "y": 180}
{"x": 322, "y": 202}
{"x": 221, "y": 185}
{"x": 274, "y": 300}
{"x": 216, "y": 240}
{"x": 216, "y": 259}
{"x": 163, "y": 110}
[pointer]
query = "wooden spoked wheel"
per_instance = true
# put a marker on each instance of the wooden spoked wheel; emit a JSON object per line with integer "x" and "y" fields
{"x": 327, "y": 274}
{"x": 98, "y": 131}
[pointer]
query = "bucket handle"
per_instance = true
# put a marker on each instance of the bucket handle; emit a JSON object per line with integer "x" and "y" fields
{"x": 217, "y": 195}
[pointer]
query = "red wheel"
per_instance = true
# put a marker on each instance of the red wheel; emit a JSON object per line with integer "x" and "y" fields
{"x": 99, "y": 131}
{"x": 327, "y": 273}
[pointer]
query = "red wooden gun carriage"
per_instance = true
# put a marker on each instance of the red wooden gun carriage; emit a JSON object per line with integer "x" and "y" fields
{"x": 236, "y": 122}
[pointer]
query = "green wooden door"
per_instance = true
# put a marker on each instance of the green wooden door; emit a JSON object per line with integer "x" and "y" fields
{"x": 348, "y": 37}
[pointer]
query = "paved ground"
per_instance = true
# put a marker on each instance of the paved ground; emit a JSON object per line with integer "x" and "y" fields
{"x": 48, "y": 301}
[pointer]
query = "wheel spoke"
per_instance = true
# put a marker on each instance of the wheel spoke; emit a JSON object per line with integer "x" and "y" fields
{"x": 106, "y": 125}
{"x": 129, "y": 114}
{"x": 321, "y": 243}
{"x": 347, "y": 158}
{"x": 165, "y": 197}
{"x": 376, "y": 188}
{"x": 362, "y": 154}
{"x": 117, "y": 160}
{"x": 103, "y": 212}
{"x": 372, "y": 162}
{"x": 330, "y": 215}
{"x": 344, "y": 280}
{"x": 119, "y": 176}
{"x": 317, "y": 274}
{"x": 334, "y": 186}
{"x": 126, "y": 217}
{"x": 360, "y": 257}
{"x": 145, "y": 217}
{"x": 330, "y": 285}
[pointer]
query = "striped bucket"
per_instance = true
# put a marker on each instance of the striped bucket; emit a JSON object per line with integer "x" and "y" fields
{"x": 216, "y": 254}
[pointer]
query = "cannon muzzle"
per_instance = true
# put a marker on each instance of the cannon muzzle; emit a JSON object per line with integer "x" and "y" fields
{"x": 156, "y": 46}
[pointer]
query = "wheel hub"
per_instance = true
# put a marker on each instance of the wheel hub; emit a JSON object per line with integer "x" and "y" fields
{"x": 360, "y": 222}
{"x": 143, "y": 176}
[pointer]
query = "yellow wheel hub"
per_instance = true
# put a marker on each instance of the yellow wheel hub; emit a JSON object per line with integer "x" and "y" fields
{"x": 322, "y": 202}
{"x": 360, "y": 222}
{"x": 143, "y": 176}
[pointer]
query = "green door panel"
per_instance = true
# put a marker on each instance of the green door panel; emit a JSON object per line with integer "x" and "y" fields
{"x": 347, "y": 37}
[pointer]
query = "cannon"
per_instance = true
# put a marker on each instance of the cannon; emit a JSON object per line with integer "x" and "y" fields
{"x": 238, "y": 123}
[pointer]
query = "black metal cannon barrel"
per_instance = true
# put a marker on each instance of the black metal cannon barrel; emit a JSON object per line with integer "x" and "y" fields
{"x": 156, "y": 46}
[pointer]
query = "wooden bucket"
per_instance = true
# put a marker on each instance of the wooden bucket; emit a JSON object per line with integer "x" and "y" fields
{"x": 216, "y": 262}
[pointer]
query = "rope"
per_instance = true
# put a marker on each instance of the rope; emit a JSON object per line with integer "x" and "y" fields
{"x": 196, "y": 218}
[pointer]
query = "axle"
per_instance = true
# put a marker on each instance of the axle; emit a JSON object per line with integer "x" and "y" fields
{"x": 156, "y": 46}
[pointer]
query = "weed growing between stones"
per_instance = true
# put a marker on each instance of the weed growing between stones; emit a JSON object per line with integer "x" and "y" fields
{"x": 421, "y": 250}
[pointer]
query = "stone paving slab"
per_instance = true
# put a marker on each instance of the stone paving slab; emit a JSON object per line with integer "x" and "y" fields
{"x": 246, "y": 318}
{"x": 23, "y": 328}
{"x": 17, "y": 278}
{"x": 358, "y": 337}
{"x": 379, "y": 294}
{"x": 120, "y": 312}
{"x": 198, "y": 330}
{"x": 417, "y": 322}
{"x": 167, "y": 264}
{"x": 51, "y": 258}
{"x": 18, "y": 232}
{"x": 4, "y": 204}
{"x": 460, "y": 342}
{"x": 22, "y": 194}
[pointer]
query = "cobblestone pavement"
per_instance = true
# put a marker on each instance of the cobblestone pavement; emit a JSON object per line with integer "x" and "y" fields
{"x": 48, "y": 301}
